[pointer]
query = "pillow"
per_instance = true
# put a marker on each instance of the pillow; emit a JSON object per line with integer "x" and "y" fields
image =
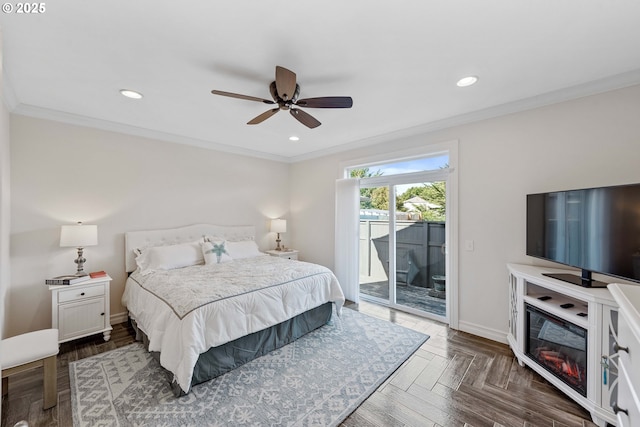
{"x": 212, "y": 238}
{"x": 169, "y": 257}
{"x": 243, "y": 249}
{"x": 214, "y": 252}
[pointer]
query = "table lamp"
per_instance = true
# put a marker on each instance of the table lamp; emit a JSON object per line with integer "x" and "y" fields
{"x": 278, "y": 226}
{"x": 79, "y": 236}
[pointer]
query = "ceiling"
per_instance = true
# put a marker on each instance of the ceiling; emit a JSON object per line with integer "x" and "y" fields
{"x": 399, "y": 61}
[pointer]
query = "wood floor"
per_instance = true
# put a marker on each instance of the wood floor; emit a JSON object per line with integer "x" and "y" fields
{"x": 454, "y": 379}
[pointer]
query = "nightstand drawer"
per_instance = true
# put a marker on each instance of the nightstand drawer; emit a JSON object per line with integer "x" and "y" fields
{"x": 286, "y": 254}
{"x": 79, "y": 293}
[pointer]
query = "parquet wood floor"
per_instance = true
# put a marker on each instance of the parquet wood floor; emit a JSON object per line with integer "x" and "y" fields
{"x": 454, "y": 379}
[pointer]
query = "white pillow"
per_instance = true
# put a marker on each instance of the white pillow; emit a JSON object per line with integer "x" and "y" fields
{"x": 243, "y": 249}
{"x": 215, "y": 252}
{"x": 212, "y": 238}
{"x": 169, "y": 257}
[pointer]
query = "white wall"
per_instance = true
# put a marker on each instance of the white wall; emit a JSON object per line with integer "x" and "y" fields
{"x": 4, "y": 206}
{"x": 61, "y": 174}
{"x": 592, "y": 141}
{"x": 4, "y": 202}
{"x": 4, "y": 213}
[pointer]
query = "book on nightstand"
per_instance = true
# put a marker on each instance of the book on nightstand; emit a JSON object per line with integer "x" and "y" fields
{"x": 98, "y": 274}
{"x": 66, "y": 280}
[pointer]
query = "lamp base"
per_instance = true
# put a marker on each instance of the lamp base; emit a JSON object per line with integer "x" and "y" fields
{"x": 278, "y": 247}
{"x": 80, "y": 262}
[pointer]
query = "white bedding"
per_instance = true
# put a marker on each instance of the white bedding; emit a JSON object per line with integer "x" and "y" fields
{"x": 186, "y": 311}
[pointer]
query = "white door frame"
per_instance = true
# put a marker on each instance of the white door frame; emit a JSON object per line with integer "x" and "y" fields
{"x": 452, "y": 246}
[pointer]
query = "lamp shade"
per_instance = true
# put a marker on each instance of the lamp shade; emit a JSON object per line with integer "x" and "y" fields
{"x": 279, "y": 225}
{"x": 79, "y": 235}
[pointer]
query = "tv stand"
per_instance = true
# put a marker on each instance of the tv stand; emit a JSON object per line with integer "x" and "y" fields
{"x": 593, "y": 310}
{"x": 577, "y": 280}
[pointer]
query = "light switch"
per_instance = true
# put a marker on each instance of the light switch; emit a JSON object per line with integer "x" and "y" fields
{"x": 468, "y": 245}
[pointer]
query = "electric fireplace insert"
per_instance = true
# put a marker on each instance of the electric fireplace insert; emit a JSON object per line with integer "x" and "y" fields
{"x": 559, "y": 346}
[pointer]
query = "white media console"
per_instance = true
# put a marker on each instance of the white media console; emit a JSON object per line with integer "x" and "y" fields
{"x": 567, "y": 334}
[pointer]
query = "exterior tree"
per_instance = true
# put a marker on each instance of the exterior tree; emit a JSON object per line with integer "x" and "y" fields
{"x": 380, "y": 198}
{"x": 365, "y": 193}
{"x": 434, "y": 193}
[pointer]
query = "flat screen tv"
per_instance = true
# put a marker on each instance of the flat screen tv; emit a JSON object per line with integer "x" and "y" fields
{"x": 596, "y": 230}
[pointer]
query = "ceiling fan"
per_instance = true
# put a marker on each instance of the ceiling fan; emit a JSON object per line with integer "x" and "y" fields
{"x": 285, "y": 91}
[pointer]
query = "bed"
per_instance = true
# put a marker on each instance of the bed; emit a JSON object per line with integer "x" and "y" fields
{"x": 205, "y": 300}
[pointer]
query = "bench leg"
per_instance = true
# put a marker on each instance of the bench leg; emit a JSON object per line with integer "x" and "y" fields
{"x": 50, "y": 382}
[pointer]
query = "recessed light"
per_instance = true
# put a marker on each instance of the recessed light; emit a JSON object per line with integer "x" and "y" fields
{"x": 467, "y": 81}
{"x": 131, "y": 94}
{"x": 294, "y": 138}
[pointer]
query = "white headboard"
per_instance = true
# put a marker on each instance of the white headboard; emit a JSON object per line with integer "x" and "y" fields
{"x": 190, "y": 233}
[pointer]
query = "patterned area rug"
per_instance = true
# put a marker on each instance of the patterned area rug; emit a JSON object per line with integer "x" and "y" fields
{"x": 316, "y": 381}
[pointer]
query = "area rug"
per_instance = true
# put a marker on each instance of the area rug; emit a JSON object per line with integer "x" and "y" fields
{"x": 316, "y": 381}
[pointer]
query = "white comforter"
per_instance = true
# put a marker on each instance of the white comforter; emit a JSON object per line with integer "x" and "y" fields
{"x": 186, "y": 311}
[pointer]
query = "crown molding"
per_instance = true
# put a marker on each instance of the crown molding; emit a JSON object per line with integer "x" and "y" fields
{"x": 595, "y": 87}
{"x": 619, "y": 81}
{"x": 90, "y": 122}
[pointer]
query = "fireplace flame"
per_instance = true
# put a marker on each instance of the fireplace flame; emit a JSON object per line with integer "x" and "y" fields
{"x": 561, "y": 364}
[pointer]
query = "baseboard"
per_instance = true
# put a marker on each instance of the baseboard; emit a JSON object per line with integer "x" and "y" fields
{"x": 481, "y": 331}
{"x": 119, "y": 318}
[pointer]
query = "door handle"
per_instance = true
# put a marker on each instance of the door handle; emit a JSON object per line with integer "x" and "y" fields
{"x": 617, "y": 409}
{"x": 617, "y": 348}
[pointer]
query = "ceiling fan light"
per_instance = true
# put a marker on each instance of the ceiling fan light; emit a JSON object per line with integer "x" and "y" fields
{"x": 131, "y": 93}
{"x": 467, "y": 81}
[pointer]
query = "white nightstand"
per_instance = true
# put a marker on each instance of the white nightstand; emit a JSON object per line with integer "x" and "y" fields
{"x": 82, "y": 309}
{"x": 288, "y": 254}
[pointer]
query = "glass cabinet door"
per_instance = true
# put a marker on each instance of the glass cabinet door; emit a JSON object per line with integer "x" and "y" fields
{"x": 609, "y": 360}
{"x": 513, "y": 306}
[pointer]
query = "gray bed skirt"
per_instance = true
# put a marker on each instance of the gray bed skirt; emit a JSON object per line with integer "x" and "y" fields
{"x": 224, "y": 358}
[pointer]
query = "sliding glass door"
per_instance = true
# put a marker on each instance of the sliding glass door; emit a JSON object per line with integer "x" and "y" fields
{"x": 420, "y": 247}
{"x": 403, "y": 242}
{"x": 374, "y": 243}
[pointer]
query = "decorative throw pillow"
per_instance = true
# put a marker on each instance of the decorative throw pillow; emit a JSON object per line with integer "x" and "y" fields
{"x": 243, "y": 249}
{"x": 212, "y": 238}
{"x": 169, "y": 257}
{"x": 215, "y": 252}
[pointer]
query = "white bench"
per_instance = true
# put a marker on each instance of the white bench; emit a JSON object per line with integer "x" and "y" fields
{"x": 29, "y": 351}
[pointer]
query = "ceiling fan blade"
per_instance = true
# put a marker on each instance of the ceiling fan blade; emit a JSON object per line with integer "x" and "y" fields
{"x": 237, "y": 95}
{"x": 326, "y": 102}
{"x": 305, "y": 118}
{"x": 262, "y": 117}
{"x": 285, "y": 83}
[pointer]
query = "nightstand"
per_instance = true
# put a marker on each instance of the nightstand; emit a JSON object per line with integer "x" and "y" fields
{"x": 82, "y": 309}
{"x": 288, "y": 254}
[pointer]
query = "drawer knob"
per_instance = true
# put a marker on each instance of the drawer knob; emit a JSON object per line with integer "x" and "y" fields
{"x": 101, "y": 314}
{"x": 82, "y": 294}
{"x": 617, "y": 348}
{"x": 617, "y": 409}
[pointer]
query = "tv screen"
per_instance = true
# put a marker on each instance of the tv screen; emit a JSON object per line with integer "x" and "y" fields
{"x": 595, "y": 229}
